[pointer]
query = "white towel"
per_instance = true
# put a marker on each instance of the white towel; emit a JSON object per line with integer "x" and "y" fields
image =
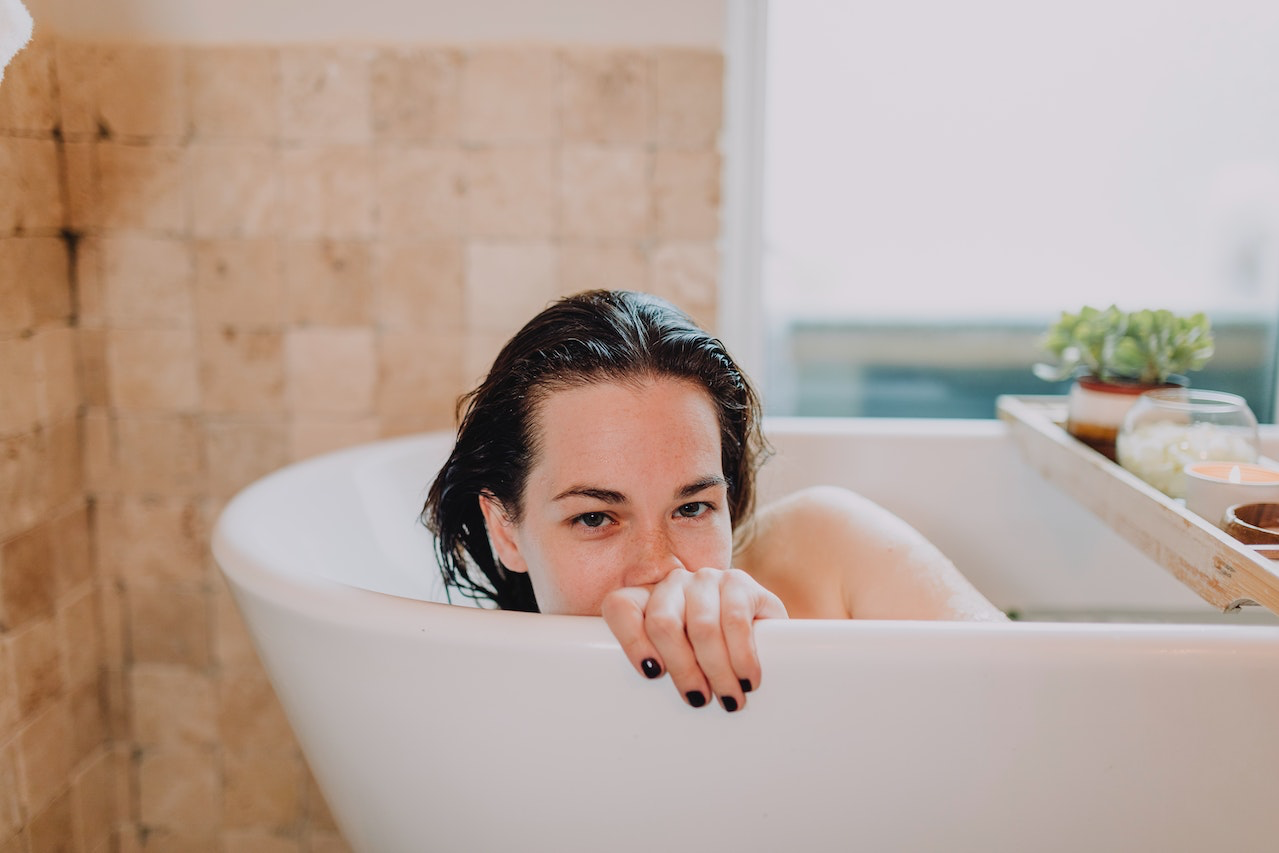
{"x": 15, "y": 30}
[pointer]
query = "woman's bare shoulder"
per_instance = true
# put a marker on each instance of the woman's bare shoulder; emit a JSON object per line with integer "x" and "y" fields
{"x": 838, "y": 553}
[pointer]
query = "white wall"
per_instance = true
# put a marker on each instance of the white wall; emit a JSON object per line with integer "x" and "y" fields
{"x": 696, "y": 23}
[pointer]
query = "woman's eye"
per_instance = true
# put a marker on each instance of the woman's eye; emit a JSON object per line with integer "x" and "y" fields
{"x": 693, "y": 510}
{"x": 592, "y": 519}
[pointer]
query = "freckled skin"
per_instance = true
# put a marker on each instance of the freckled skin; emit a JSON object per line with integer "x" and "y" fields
{"x": 627, "y": 486}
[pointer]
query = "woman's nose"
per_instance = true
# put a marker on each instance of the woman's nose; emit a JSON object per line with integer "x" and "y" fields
{"x": 652, "y": 559}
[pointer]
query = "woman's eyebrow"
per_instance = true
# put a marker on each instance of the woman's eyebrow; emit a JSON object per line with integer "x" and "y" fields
{"x": 700, "y": 486}
{"x": 608, "y": 496}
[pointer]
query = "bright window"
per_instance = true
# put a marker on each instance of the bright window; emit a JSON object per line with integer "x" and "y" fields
{"x": 941, "y": 179}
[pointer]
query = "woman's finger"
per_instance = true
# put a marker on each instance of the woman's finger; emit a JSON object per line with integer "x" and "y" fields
{"x": 664, "y": 622}
{"x": 704, "y": 617}
{"x": 623, "y": 611}
{"x": 742, "y": 601}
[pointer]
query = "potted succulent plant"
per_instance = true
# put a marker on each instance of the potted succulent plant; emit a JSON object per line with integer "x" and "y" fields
{"x": 1115, "y": 356}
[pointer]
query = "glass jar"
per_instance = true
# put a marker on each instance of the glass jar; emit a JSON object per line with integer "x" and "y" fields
{"x": 1168, "y": 428}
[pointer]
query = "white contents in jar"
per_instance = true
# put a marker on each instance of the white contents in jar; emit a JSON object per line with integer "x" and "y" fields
{"x": 1157, "y": 452}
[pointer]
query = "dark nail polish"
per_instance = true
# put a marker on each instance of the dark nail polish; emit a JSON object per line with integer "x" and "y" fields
{"x": 695, "y": 698}
{"x": 652, "y": 669}
{"x": 746, "y": 685}
{"x": 729, "y": 703}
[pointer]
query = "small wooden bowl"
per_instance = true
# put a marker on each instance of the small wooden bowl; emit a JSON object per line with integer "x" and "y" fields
{"x": 1253, "y": 524}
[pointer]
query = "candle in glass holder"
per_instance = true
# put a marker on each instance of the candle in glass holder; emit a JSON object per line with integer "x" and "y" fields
{"x": 1212, "y": 487}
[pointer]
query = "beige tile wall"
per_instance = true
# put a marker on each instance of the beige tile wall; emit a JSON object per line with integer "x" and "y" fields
{"x": 58, "y": 773}
{"x": 269, "y": 253}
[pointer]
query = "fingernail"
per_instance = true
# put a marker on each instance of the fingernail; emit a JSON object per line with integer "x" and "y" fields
{"x": 695, "y": 698}
{"x": 746, "y": 685}
{"x": 729, "y": 703}
{"x": 652, "y": 669}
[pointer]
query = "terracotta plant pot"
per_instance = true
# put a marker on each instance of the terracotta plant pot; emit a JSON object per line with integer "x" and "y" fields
{"x": 1095, "y": 409}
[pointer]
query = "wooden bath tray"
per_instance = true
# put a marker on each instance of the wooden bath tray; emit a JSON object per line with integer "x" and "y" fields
{"x": 1223, "y": 571}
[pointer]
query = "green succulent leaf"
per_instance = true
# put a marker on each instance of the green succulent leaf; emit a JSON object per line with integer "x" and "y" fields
{"x": 1140, "y": 346}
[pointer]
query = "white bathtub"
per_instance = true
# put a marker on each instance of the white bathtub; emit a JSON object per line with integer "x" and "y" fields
{"x": 435, "y": 727}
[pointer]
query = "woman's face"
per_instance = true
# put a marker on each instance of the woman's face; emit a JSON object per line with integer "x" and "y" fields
{"x": 627, "y": 485}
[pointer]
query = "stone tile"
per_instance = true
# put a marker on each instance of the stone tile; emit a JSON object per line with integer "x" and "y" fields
{"x": 686, "y": 194}
{"x": 417, "y": 94}
{"x": 24, "y": 482}
{"x": 81, "y": 185}
{"x": 28, "y": 586}
{"x": 690, "y": 98}
{"x": 510, "y": 192}
{"x": 315, "y": 435}
{"x": 17, "y": 314}
{"x": 250, "y": 719}
{"x": 12, "y": 807}
{"x": 328, "y": 191}
{"x": 151, "y": 541}
{"x": 76, "y": 66}
{"x": 93, "y": 804}
{"x": 262, "y": 841}
{"x": 179, "y": 791}
{"x": 688, "y": 275}
{"x": 325, "y": 93}
{"x": 91, "y": 345}
{"x": 153, "y": 370}
{"x": 509, "y": 95}
{"x": 239, "y": 453}
{"x": 235, "y": 190}
{"x": 59, "y": 385}
{"x": 607, "y": 96}
{"x": 37, "y": 665}
{"x": 32, "y": 200}
{"x": 330, "y": 371}
{"x": 146, "y": 281}
{"x": 167, "y": 625}
{"x": 10, "y": 716}
{"x": 329, "y": 282}
{"x": 262, "y": 791}
{"x": 70, "y": 551}
{"x": 20, "y": 379}
{"x": 234, "y": 92}
{"x": 141, "y": 186}
{"x": 51, "y": 829}
{"x": 242, "y": 372}
{"x": 28, "y": 97}
{"x": 420, "y": 285}
{"x": 421, "y": 191}
{"x": 47, "y": 263}
{"x": 508, "y": 283}
{"x": 88, "y": 719}
{"x": 239, "y": 283}
{"x": 604, "y": 264}
{"x": 46, "y": 754}
{"x": 604, "y": 192}
{"x": 79, "y": 633}
{"x": 156, "y": 455}
{"x": 64, "y": 475}
{"x": 420, "y": 380}
{"x": 174, "y": 707}
{"x": 140, "y": 90}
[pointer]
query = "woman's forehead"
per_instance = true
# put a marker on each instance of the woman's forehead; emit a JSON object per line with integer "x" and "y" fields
{"x": 612, "y": 424}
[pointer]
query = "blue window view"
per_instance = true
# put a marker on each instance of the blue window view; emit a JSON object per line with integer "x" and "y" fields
{"x": 942, "y": 180}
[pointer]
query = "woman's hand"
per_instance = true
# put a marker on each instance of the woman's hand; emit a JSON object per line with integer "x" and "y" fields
{"x": 697, "y": 626}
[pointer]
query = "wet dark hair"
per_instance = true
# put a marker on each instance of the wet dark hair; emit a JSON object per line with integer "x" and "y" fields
{"x": 596, "y": 336}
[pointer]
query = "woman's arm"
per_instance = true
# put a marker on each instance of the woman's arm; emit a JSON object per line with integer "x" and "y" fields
{"x": 831, "y": 553}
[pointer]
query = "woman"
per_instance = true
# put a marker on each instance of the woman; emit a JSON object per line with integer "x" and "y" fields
{"x": 606, "y": 466}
